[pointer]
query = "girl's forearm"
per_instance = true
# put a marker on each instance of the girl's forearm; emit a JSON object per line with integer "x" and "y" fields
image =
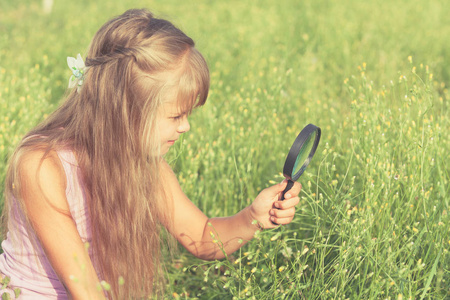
{"x": 226, "y": 235}
{"x": 215, "y": 238}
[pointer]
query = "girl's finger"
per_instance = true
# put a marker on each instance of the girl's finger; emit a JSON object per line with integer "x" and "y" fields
{"x": 287, "y": 213}
{"x": 294, "y": 191}
{"x": 281, "y": 221}
{"x": 288, "y": 203}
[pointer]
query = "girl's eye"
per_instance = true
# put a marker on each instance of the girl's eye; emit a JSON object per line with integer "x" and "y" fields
{"x": 179, "y": 117}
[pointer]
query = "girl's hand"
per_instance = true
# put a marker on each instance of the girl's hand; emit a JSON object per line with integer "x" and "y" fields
{"x": 269, "y": 211}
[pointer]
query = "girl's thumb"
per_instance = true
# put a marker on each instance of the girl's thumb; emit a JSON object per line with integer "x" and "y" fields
{"x": 278, "y": 188}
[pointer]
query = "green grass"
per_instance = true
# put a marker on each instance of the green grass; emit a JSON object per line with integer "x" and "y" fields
{"x": 373, "y": 221}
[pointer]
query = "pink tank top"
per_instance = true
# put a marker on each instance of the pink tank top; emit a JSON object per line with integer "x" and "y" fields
{"x": 24, "y": 260}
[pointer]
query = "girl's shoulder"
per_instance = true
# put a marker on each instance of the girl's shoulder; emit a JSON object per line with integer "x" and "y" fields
{"x": 40, "y": 172}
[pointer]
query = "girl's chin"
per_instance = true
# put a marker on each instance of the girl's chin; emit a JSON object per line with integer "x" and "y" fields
{"x": 165, "y": 148}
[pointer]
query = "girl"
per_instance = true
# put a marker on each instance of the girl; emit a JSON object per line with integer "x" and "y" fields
{"x": 94, "y": 172}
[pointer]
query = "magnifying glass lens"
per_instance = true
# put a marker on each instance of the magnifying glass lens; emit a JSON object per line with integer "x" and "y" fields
{"x": 303, "y": 156}
{"x": 300, "y": 154}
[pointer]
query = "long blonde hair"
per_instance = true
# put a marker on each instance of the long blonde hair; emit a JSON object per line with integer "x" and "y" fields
{"x": 111, "y": 126}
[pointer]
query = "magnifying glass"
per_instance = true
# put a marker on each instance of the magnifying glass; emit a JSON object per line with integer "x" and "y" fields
{"x": 300, "y": 155}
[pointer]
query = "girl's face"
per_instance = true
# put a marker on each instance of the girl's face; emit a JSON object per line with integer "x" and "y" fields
{"x": 171, "y": 123}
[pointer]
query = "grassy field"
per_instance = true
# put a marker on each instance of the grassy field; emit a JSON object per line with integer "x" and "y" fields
{"x": 373, "y": 222}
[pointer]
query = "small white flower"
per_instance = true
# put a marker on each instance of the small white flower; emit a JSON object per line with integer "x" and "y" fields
{"x": 78, "y": 69}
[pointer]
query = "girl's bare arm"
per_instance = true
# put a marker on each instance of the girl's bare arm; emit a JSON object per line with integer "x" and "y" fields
{"x": 206, "y": 238}
{"x": 43, "y": 191}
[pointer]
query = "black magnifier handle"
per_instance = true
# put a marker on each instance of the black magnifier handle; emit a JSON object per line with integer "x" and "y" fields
{"x": 290, "y": 184}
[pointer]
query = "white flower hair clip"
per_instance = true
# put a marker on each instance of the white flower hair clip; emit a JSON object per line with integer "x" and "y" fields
{"x": 78, "y": 69}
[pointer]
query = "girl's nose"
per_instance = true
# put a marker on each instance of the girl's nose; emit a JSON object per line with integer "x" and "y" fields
{"x": 184, "y": 125}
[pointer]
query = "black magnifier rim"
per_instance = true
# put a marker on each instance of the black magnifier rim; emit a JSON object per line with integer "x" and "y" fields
{"x": 295, "y": 150}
